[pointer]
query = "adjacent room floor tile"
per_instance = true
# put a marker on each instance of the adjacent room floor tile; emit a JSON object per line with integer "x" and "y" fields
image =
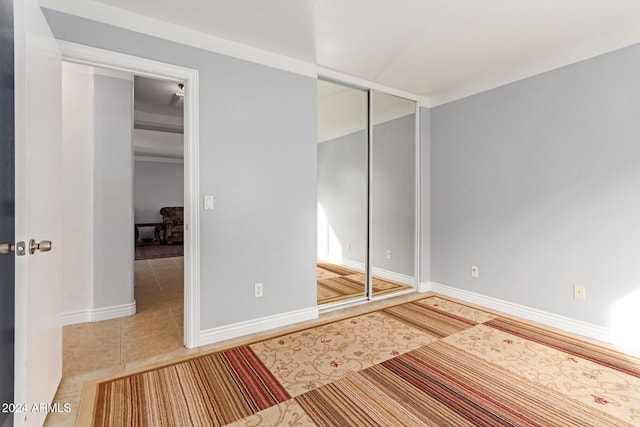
{"x": 154, "y": 333}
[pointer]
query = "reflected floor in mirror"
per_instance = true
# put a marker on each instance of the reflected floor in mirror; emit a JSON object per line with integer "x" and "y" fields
{"x": 340, "y": 283}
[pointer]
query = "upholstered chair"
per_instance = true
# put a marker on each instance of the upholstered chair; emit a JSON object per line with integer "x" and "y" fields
{"x": 173, "y": 224}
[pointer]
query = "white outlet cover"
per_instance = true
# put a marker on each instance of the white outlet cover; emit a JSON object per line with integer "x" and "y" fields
{"x": 579, "y": 292}
{"x": 258, "y": 289}
{"x": 208, "y": 203}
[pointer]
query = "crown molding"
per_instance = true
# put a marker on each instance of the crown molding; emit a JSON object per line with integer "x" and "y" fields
{"x": 100, "y": 12}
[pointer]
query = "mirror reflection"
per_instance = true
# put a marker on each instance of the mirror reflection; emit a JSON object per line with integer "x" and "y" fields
{"x": 366, "y": 193}
{"x": 342, "y": 192}
{"x": 393, "y": 193}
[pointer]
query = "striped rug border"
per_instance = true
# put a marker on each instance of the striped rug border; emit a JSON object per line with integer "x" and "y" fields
{"x": 222, "y": 387}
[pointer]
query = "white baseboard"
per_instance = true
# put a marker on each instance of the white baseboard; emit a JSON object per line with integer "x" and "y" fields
{"x": 392, "y": 275}
{"x": 424, "y": 287}
{"x": 378, "y": 272}
{"x": 563, "y": 323}
{"x": 356, "y": 265}
{"x": 98, "y": 314}
{"x": 73, "y": 317}
{"x": 214, "y": 335}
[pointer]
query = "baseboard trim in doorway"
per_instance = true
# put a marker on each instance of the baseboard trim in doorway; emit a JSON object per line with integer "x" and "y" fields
{"x": 98, "y": 314}
{"x": 235, "y": 330}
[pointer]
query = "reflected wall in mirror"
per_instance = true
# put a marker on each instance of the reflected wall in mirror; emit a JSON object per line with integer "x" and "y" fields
{"x": 342, "y": 192}
{"x": 393, "y": 193}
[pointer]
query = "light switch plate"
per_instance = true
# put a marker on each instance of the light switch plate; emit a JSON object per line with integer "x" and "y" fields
{"x": 208, "y": 203}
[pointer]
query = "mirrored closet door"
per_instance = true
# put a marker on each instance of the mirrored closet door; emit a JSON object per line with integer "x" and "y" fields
{"x": 366, "y": 194}
{"x": 392, "y": 237}
{"x": 342, "y": 186}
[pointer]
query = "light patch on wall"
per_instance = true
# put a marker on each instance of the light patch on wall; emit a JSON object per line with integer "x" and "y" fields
{"x": 329, "y": 248}
{"x": 625, "y": 321}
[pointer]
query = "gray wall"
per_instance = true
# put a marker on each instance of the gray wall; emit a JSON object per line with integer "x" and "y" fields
{"x": 156, "y": 185}
{"x": 258, "y": 159}
{"x": 538, "y": 184}
{"x": 342, "y": 193}
{"x": 112, "y": 192}
{"x": 78, "y": 107}
{"x": 393, "y": 195}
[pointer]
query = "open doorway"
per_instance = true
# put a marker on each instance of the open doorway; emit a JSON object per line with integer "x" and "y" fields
{"x": 87, "y": 55}
{"x": 84, "y": 308}
{"x": 158, "y": 203}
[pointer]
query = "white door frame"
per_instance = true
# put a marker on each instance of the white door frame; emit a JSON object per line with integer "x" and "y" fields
{"x": 73, "y": 52}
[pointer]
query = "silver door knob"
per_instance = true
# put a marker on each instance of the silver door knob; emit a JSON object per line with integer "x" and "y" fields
{"x": 43, "y": 246}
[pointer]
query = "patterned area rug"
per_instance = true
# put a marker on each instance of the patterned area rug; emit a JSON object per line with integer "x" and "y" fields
{"x": 338, "y": 283}
{"x": 428, "y": 362}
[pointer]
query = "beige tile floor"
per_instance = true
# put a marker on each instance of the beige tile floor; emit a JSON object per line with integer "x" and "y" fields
{"x": 93, "y": 351}
{"x": 100, "y": 349}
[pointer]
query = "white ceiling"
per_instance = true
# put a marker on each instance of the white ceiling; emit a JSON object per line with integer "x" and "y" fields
{"x": 438, "y": 49}
{"x": 152, "y": 94}
{"x": 157, "y": 105}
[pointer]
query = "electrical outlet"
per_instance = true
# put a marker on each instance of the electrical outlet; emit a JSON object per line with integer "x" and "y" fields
{"x": 474, "y": 271}
{"x": 579, "y": 292}
{"x": 388, "y": 253}
{"x": 258, "y": 289}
